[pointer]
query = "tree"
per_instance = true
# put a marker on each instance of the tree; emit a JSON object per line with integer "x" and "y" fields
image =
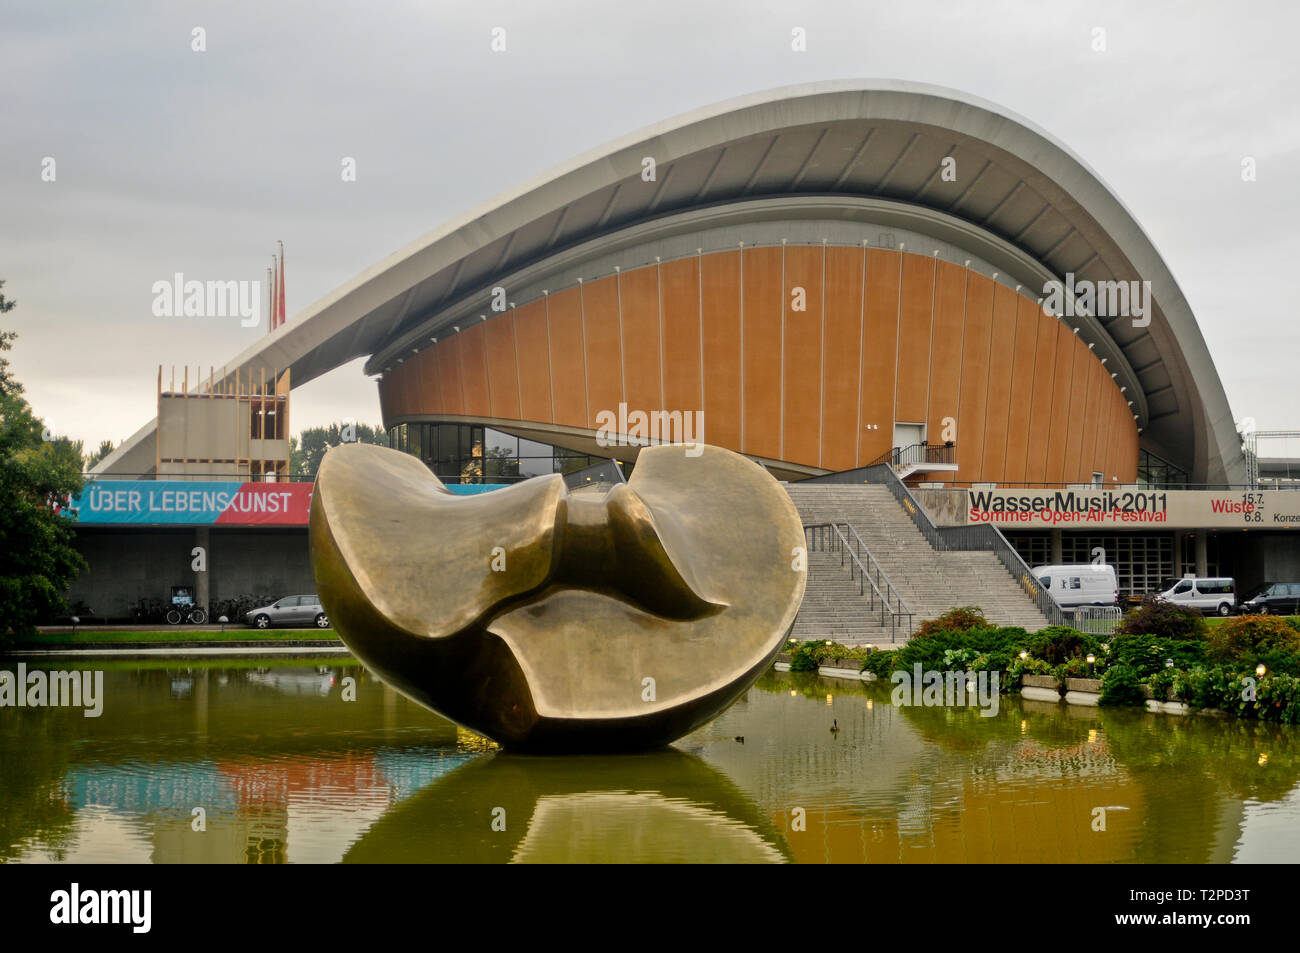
{"x": 105, "y": 448}
{"x": 38, "y": 558}
{"x": 308, "y": 449}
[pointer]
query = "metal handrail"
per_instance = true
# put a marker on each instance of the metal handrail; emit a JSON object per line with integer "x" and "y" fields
{"x": 982, "y": 538}
{"x": 880, "y": 575}
{"x": 830, "y": 534}
{"x": 918, "y": 454}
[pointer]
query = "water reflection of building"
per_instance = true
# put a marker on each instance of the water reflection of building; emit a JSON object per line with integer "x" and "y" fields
{"x": 253, "y": 807}
{"x": 931, "y": 785}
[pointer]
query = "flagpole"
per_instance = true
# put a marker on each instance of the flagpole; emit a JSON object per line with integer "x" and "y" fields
{"x": 280, "y": 304}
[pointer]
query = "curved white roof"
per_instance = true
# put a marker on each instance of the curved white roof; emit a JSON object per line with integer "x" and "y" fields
{"x": 853, "y": 138}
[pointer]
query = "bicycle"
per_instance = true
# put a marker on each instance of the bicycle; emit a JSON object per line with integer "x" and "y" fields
{"x": 195, "y": 616}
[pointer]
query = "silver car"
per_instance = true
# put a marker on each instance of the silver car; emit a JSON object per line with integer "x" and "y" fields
{"x": 291, "y": 610}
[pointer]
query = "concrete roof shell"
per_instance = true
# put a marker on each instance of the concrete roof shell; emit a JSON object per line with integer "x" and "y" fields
{"x": 881, "y": 139}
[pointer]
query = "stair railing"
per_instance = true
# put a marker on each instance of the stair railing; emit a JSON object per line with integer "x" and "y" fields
{"x": 865, "y": 571}
{"x": 981, "y": 538}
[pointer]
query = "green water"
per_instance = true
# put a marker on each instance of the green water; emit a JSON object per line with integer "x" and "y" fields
{"x": 282, "y": 769}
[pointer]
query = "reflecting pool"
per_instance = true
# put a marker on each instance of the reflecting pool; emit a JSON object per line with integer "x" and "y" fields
{"x": 264, "y": 761}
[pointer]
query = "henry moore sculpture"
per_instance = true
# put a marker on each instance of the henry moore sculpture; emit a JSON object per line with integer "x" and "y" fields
{"x": 553, "y": 621}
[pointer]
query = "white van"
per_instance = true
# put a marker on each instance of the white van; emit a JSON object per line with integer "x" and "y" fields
{"x": 1085, "y": 584}
{"x": 1210, "y": 594}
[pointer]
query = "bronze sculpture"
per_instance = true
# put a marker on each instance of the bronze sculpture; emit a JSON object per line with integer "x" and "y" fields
{"x": 552, "y": 621}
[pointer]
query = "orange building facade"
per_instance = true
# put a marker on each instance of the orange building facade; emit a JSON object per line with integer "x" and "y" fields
{"x": 812, "y": 358}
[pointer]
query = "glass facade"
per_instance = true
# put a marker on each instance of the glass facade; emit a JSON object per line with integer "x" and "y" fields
{"x": 1141, "y": 560}
{"x": 1155, "y": 472}
{"x": 472, "y": 453}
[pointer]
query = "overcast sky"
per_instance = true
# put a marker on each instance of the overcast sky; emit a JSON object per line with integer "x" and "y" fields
{"x": 170, "y": 160}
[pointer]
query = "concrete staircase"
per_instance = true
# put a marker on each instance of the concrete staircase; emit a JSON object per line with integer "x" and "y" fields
{"x": 930, "y": 582}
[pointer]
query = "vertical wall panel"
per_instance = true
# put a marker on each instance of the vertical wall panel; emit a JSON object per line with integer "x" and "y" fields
{"x": 1105, "y": 418}
{"x": 1029, "y": 317}
{"x": 974, "y": 378}
{"x": 642, "y": 384}
{"x": 1059, "y": 407}
{"x": 762, "y": 352}
{"x": 387, "y": 401}
{"x": 449, "y": 374}
{"x": 568, "y": 362}
{"x": 534, "y": 362}
{"x": 1095, "y": 407}
{"x": 604, "y": 351}
{"x": 473, "y": 367}
{"x": 503, "y": 376}
{"x": 405, "y": 395}
{"x": 1040, "y": 417}
{"x": 879, "y": 354}
{"x": 841, "y": 350}
{"x": 946, "y": 351}
{"x": 913, "y": 385}
{"x": 1076, "y": 409}
{"x": 803, "y": 356}
{"x": 680, "y": 282}
{"x": 423, "y": 367}
{"x": 720, "y": 314}
{"x": 1001, "y": 359}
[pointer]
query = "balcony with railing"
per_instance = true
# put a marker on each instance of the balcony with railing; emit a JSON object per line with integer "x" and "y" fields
{"x": 920, "y": 457}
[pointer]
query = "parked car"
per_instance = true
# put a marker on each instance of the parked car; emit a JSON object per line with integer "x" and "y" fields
{"x": 1212, "y": 594}
{"x": 1272, "y": 598}
{"x": 291, "y": 610}
{"x": 1082, "y": 584}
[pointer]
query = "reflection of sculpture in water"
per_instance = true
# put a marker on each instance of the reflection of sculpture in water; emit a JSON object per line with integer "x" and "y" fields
{"x": 657, "y": 807}
{"x": 553, "y": 622}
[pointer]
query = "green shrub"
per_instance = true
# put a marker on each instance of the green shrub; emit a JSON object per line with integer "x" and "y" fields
{"x": 801, "y": 659}
{"x": 960, "y": 619}
{"x": 1278, "y": 699}
{"x": 1074, "y": 668}
{"x": 1147, "y": 653}
{"x": 809, "y": 656}
{"x": 1060, "y": 643}
{"x": 880, "y": 663}
{"x": 1163, "y": 619}
{"x": 1161, "y": 682}
{"x": 1020, "y": 667}
{"x": 1121, "y": 685}
{"x": 1252, "y": 639}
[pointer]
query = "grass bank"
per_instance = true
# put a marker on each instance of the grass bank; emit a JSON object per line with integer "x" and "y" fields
{"x": 178, "y": 634}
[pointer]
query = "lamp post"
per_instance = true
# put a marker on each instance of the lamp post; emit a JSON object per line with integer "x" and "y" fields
{"x": 223, "y": 620}
{"x": 1260, "y": 670}
{"x": 75, "y": 620}
{"x": 1091, "y": 659}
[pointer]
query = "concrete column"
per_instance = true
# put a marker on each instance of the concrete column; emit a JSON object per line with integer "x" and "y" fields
{"x": 1202, "y": 553}
{"x": 201, "y": 588}
{"x": 1057, "y": 555}
{"x": 1177, "y": 572}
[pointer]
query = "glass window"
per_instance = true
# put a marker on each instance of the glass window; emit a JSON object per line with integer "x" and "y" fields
{"x": 1074, "y": 582}
{"x": 504, "y": 443}
{"x": 1046, "y": 581}
{"x": 535, "y": 458}
{"x": 1184, "y": 586}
